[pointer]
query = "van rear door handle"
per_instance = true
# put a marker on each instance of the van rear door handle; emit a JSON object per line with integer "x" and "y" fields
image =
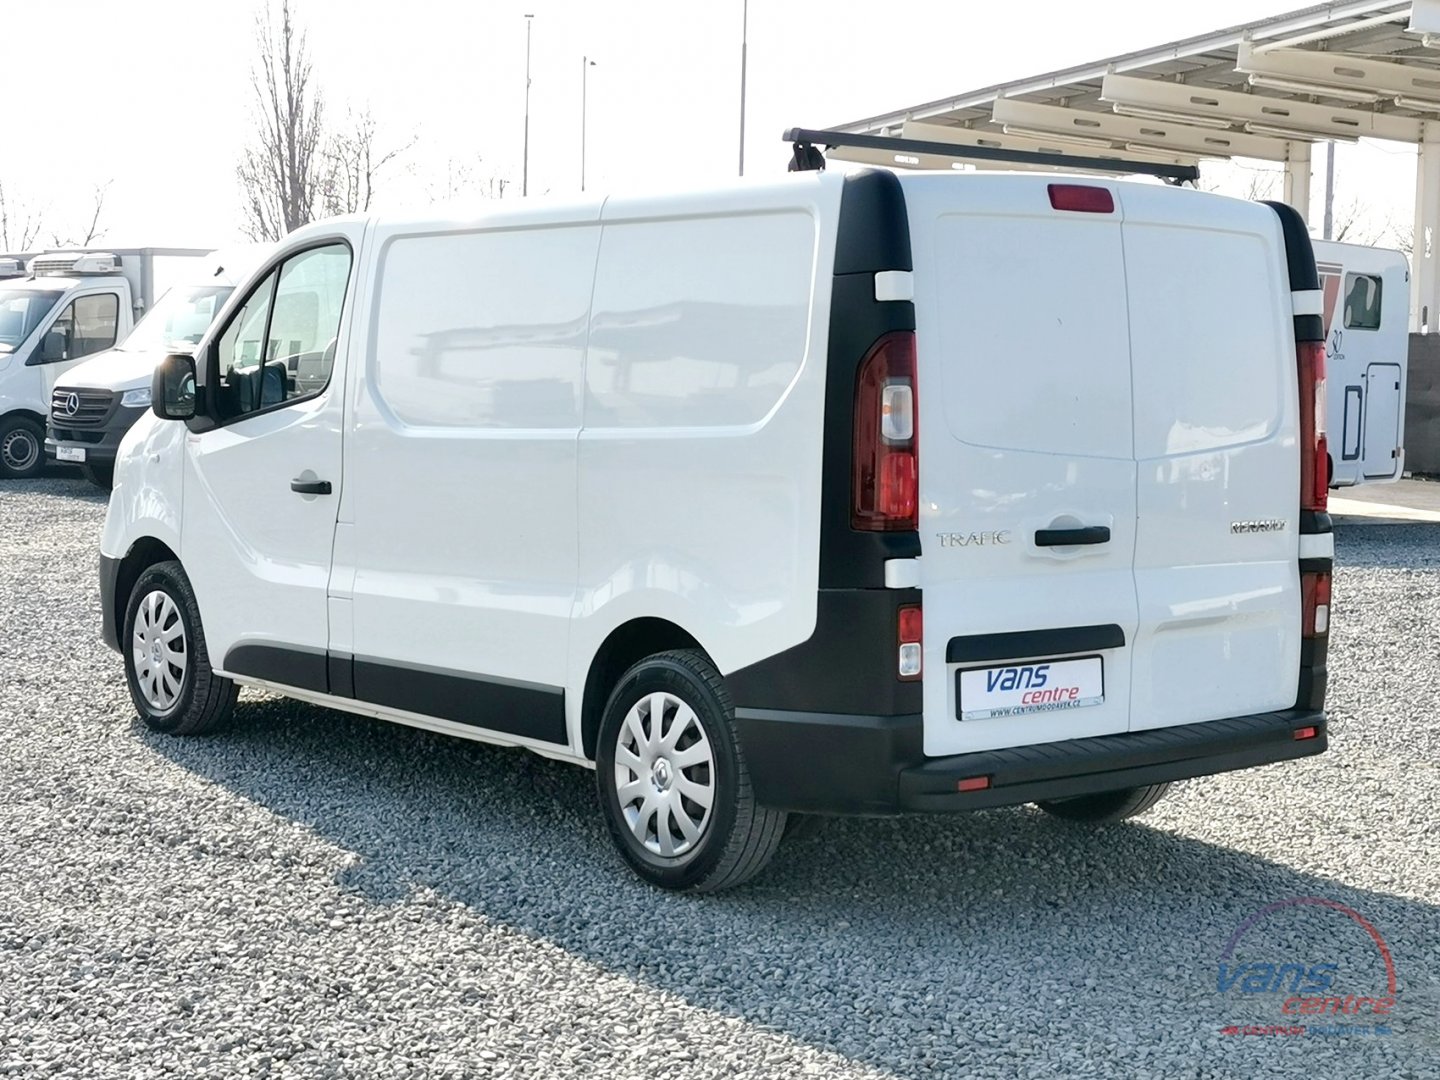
{"x": 311, "y": 487}
{"x": 1090, "y": 534}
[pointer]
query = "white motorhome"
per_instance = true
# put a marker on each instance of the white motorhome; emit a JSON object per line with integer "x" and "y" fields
{"x": 69, "y": 305}
{"x": 1367, "y": 340}
{"x": 864, "y": 494}
{"x": 94, "y": 404}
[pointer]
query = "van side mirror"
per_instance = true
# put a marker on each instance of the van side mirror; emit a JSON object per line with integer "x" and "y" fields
{"x": 52, "y": 346}
{"x": 172, "y": 391}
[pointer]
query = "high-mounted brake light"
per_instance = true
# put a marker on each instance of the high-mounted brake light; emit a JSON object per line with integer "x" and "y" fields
{"x": 885, "y": 464}
{"x": 1083, "y": 198}
{"x": 1314, "y": 452}
{"x": 909, "y": 624}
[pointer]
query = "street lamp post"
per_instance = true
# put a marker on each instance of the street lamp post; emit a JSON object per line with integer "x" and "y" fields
{"x": 585, "y": 65}
{"x": 744, "y": 35}
{"x": 525, "y": 159}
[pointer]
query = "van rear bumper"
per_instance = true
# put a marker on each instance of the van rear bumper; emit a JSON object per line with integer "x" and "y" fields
{"x": 874, "y": 765}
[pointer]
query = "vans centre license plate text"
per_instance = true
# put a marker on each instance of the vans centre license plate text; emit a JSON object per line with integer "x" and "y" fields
{"x": 1019, "y": 689}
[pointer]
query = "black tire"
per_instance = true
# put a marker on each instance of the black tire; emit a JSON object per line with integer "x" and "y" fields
{"x": 737, "y": 837}
{"x": 22, "y": 448}
{"x": 202, "y": 701}
{"x": 101, "y": 475}
{"x": 1106, "y": 806}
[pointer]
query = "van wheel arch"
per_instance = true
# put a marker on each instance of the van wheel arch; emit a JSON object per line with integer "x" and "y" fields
{"x": 627, "y": 645}
{"x": 143, "y": 554}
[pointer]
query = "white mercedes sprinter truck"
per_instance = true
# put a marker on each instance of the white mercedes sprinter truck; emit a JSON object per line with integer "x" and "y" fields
{"x": 1366, "y": 313}
{"x": 833, "y": 495}
{"x": 94, "y": 404}
{"x": 69, "y": 305}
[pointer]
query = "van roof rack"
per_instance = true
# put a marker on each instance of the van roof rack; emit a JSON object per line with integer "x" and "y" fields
{"x": 809, "y": 157}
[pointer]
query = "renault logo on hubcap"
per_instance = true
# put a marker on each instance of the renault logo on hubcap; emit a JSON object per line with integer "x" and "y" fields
{"x": 661, "y": 775}
{"x": 72, "y": 404}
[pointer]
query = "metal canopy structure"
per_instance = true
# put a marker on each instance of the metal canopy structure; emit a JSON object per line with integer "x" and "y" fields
{"x": 1269, "y": 90}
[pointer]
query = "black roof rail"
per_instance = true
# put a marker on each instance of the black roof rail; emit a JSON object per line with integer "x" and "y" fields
{"x": 809, "y": 156}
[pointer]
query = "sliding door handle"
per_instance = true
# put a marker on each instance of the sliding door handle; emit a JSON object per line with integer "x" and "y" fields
{"x": 1090, "y": 534}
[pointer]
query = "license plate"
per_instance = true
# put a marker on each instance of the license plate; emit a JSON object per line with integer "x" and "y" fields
{"x": 1021, "y": 689}
{"x": 69, "y": 453}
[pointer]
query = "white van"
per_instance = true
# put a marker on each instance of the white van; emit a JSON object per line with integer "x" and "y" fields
{"x": 93, "y": 404}
{"x": 67, "y": 306}
{"x": 835, "y": 495}
{"x": 1367, "y": 345}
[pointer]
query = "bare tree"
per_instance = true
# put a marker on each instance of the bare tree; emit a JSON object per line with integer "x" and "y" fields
{"x": 1351, "y": 224}
{"x": 353, "y": 163}
{"x": 92, "y": 232}
{"x": 282, "y": 171}
{"x": 464, "y": 178}
{"x": 1256, "y": 186}
{"x": 19, "y": 225}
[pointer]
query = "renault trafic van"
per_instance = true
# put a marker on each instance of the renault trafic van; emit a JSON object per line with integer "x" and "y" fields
{"x": 834, "y": 495}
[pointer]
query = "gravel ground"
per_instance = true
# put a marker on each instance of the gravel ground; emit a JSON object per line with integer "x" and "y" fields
{"x": 313, "y": 894}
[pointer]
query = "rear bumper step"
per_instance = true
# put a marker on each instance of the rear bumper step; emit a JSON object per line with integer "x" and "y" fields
{"x": 869, "y": 765}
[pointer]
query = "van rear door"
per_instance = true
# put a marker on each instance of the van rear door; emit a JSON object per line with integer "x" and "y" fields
{"x": 1026, "y": 466}
{"x": 1216, "y": 423}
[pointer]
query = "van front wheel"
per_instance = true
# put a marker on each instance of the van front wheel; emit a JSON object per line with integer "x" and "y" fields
{"x": 672, "y": 780}
{"x": 166, "y": 664}
{"x": 1106, "y": 806}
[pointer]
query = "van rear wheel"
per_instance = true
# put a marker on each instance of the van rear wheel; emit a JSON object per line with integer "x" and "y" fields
{"x": 166, "y": 664}
{"x": 672, "y": 780}
{"x": 102, "y": 476}
{"x": 1106, "y": 806}
{"x": 22, "y": 448}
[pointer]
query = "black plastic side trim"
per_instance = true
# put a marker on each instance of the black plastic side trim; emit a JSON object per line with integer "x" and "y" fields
{"x": 1026, "y": 643}
{"x": 1314, "y": 673}
{"x": 514, "y": 708}
{"x": 288, "y": 665}
{"x": 1309, "y": 328}
{"x": 828, "y": 762}
{"x": 341, "y": 668}
{"x": 1317, "y": 566}
{"x": 109, "y": 576}
{"x": 847, "y": 666}
{"x": 1315, "y": 521}
{"x": 874, "y": 228}
{"x": 504, "y": 705}
{"x": 1299, "y": 254}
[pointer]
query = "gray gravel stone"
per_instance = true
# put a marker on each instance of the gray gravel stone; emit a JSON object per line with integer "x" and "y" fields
{"x": 313, "y": 894}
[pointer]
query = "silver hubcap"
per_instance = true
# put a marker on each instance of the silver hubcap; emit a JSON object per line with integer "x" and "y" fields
{"x": 20, "y": 450}
{"x": 664, "y": 774}
{"x": 160, "y": 650}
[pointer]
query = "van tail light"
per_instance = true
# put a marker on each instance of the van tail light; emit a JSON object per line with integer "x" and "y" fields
{"x": 1315, "y": 604}
{"x": 886, "y": 467}
{"x": 1314, "y": 453}
{"x": 909, "y": 624}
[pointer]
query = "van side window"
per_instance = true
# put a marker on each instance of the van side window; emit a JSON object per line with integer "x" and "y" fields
{"x": 1362, "y": 302}
{"x": 280, "y": 346}
{"x": 88, "y": 324}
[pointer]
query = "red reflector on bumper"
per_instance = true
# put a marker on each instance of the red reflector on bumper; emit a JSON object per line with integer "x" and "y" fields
{"x": 973, "y": 783}
{"x": 1305, "y": 733}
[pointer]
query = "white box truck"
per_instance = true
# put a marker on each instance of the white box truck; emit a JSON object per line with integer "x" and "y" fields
{"x": 845, "y": 495}
{"x": 68, "y": 305}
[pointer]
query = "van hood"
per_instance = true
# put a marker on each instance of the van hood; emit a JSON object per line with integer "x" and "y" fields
{"x": 114, "y": 369}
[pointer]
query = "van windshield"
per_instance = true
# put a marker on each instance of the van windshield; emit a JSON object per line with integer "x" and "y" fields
{"x": 21, "y": 310}
{"x": 178, "y": 321}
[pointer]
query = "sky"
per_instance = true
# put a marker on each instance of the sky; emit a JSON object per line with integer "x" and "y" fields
{"x": 153, "y": 98}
